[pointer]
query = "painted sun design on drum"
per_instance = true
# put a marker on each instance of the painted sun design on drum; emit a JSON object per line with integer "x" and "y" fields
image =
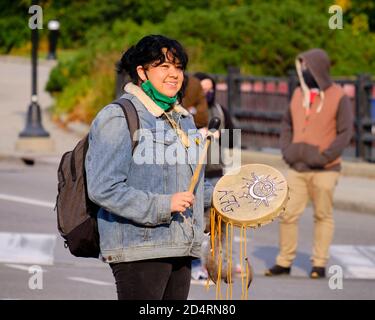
{"x": 261, "y": 189}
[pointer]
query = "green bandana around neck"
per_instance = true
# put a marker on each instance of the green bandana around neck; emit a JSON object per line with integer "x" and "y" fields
{"x": 160, "y": 99}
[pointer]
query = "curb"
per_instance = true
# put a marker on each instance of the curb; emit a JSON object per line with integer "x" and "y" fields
{"x": 349, "y": 168}
{"x": 31, "y": 159}
{"x": 354, "y": 207}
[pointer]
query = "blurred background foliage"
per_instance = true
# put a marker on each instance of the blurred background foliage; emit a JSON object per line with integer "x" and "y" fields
{"x": 261, "y": 37}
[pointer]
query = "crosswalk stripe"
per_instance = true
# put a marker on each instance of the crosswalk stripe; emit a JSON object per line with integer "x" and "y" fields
{"x": 91, "y": 281}
{"x": 361, "y": 272}
{"x": 34, "y": 202}
{"x": 21, "y": 267}
{"x": 201, "y": 282}
{"x": 358, "y": 262}
{"x": 27, "y": 248}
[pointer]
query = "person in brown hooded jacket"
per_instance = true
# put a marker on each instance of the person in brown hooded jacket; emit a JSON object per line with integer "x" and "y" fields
{"x": 194, "y": 101}
{"x": 315, "y": 130}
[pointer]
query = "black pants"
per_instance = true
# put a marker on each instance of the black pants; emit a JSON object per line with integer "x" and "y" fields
{"x": 157, "y": 279}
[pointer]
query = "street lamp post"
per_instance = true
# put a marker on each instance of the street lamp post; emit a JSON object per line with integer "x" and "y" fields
{"x": 53, "y": 27}
{"x": 34, "y": 126}
{"x": 34, "y": 138}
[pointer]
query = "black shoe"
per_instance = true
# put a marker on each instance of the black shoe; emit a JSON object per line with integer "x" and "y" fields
{"x": 277, "y": 270}
{"x": 317, "y": 272}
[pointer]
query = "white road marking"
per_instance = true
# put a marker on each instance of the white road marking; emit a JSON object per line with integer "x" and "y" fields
{"x": 27, "y": 248}
{"x": 358, "y": 262}
{"x": 34, "y": 202}
{"x": 21, "y": 267}
{"x": 201, "y": 282}
{"x": 361, "y": 272}
{"x": 91, "y": 281}
{"x": 238, "y": 239}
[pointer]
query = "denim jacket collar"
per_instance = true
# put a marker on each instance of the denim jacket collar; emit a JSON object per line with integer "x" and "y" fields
{"x": 150, "y": 105}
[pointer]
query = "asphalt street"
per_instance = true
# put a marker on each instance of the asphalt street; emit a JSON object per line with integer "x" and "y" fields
{"x": 27, "y": 195}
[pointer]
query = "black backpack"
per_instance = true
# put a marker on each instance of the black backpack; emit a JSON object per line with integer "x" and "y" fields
{"x": 76, "y": 213}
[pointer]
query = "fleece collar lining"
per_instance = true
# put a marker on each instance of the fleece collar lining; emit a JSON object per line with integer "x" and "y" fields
{"x": 150, "y": 105}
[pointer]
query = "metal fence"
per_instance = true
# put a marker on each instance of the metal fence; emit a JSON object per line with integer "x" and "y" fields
{"x": 257, "y": 105}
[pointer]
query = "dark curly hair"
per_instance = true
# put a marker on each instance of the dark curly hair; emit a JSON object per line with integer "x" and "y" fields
{"x": 149, "y": 51}
{"x": 202, "y": 76}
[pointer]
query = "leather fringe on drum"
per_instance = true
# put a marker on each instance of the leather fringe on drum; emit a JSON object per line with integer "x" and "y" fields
{"x": 219, "y": 259}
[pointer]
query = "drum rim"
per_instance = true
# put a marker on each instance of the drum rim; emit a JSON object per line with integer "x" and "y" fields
{"x": 261, "y": 221}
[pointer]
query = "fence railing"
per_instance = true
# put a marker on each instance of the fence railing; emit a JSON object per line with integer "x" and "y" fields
{"x": 257, "y": 105}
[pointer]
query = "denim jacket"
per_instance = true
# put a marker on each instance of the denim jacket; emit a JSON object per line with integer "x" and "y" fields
{"x": 134, "y": 191}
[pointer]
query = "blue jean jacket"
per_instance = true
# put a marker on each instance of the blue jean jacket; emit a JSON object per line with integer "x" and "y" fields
{"x": 135, "y": 221}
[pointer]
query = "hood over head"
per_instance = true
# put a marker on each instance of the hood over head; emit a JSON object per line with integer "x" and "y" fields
{"x": 318, "y": 63}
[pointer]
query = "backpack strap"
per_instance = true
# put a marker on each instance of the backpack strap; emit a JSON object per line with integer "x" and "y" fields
{"x": 131, "y": 116}
{"x": 132, "y": 120}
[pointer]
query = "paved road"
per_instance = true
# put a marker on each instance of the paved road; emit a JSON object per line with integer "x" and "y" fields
{"x": 27, "y": 195}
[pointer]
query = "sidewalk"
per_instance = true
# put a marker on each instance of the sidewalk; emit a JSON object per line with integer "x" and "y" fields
{"x": 355, "y": 191}
{"x": 15, "y": 93}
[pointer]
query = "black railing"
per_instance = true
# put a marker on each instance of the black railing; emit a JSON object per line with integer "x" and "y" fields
{"x": 257, "y": 105}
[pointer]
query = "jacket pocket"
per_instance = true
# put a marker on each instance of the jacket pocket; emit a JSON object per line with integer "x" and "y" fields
{"x": 158, "y": 235}
{"x": 292, "y": 153}
{"x": 110, "y": 230}
{"x": 313, "y": 158}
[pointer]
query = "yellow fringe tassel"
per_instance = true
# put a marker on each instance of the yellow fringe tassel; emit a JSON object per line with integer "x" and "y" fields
{"x": 229, "y": 248}
{"x": 243, "y": 256}
{"x": 215, "y": 221}
{"x": 247, "y": 266}
{"x": 212, "y": 224}
{"x": 212, "y": 239}
{"x": 220, "y": 261}
{"x": 241, "y": 261}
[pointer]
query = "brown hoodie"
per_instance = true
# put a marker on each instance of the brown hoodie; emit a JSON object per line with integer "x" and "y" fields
{"x": 194, "y": 97}
{"x": 315, "y": 133}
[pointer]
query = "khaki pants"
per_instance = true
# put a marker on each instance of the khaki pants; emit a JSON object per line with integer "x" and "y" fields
{"x": 318, "y": 187}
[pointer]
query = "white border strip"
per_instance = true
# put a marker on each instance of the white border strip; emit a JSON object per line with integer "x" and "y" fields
{"x": 34, "y": 202}
{"x": 91, "y": 281}
{"x": 22, "y": 267}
